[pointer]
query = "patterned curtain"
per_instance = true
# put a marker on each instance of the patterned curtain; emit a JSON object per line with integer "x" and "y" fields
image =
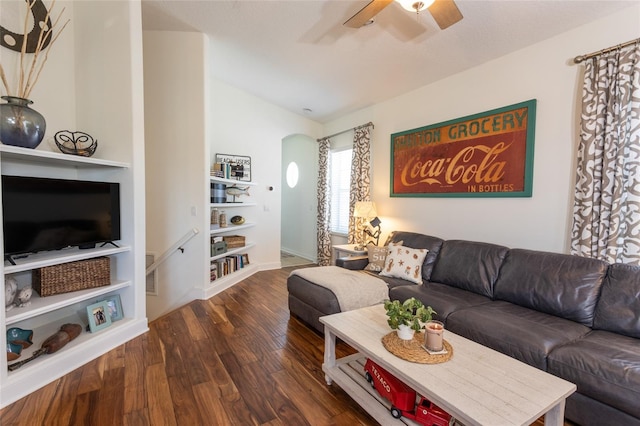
{"x": 360, "y": 178}
{"x": 324, "y": 203}
{"x": 606, "y": 212}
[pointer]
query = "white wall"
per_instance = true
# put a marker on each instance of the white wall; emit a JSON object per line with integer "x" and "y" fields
{"x": 544, "y": 72}
{"x": 300, "y": 203}
{"x": 242, "y": 124}
{"x": 176, "y": 166}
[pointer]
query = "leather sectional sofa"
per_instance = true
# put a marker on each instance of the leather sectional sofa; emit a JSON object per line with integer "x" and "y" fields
{"x": 574, "y": 317}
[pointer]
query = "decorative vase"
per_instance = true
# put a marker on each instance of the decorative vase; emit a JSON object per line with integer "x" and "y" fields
{"x": 19, "y": 124}
{"x": 405, "y": 332}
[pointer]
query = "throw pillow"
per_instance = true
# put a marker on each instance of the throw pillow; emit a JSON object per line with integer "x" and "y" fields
{"x": 377, "y": 256}
{"x": 404, "y": 262}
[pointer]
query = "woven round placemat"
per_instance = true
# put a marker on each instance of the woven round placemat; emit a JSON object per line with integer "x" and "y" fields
{"x": 412, "y": 350}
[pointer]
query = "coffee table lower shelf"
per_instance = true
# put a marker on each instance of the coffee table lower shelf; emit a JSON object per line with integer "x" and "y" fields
{"x": 348, "y": 373}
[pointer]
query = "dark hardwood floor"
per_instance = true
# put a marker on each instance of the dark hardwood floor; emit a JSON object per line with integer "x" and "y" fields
{"x": 235, "y": 359}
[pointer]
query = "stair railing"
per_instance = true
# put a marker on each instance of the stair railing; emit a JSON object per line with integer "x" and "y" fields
{"x": 177, "y": 246}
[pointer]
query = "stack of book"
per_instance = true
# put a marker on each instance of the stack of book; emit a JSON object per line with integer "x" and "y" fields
{"x": 227, "y": 265}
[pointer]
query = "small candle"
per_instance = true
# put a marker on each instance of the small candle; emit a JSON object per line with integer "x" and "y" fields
{"x": 433, "y": 336}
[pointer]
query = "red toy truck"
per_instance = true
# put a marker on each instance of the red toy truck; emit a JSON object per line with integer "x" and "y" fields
{"x": 403, "y": 398}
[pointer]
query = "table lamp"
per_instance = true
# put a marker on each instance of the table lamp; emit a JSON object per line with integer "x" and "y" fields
{"x": 364, "y": 210}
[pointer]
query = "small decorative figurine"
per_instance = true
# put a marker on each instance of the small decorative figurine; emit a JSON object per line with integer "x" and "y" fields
{"x": 24, "y": 297}
{"x": 237, "y": 220}
{"x": 20, "y": 336}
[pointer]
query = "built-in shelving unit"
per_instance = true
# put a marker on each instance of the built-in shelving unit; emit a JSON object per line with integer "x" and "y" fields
{"x": 45, "y": 315}
{"x": 109, "y": 105}
{"x": 219, "y": 284}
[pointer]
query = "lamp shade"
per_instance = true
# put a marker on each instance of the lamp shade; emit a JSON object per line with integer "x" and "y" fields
{"x": 365, "y": 209}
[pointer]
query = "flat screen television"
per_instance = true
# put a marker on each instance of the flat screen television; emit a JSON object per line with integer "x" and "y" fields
{"x": 41, "y": 214}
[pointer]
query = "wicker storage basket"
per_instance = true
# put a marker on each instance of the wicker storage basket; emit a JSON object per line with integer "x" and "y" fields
{"x": 234, "y": 241}
{"x": 72, "y": 276}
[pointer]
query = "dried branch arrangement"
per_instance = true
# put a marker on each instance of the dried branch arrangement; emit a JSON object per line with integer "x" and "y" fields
{"x": 30, "y": 69}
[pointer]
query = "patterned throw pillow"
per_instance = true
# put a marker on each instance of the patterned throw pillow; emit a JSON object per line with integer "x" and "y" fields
{"x": 404, "y": 262}
{"x": 377, "y": 256}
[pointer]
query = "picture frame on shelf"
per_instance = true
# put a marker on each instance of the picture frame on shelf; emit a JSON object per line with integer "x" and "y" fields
{"x": 115, "y": 307}
{"x": 245, "y": 259}
{"x": 98, "y": 314}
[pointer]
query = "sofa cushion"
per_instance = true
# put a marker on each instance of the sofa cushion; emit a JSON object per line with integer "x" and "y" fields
{"x": 404, "y": 262}
{"x": 604, "y": 366}
{"x": 469, "y": 265}
{"x": 392, "y": 282}
{"x": 312, "y": 294}
{"x": 618, "y": 308}
{"x": 416, "y": 240}
{"x": 557, "y": 284}
{"x": 444, "y": 299}
{"x": 519, "y": 332}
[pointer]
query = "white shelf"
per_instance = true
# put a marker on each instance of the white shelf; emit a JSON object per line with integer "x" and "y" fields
{"x": 231, "y": 181}
{"x": 42, "y": 333}
{"x": 42, "y": 305}
{"x": 34, "y": 156}
{"x": 233, "y": 251}
{"x": 233, "y": 205}
{"x": 57, "y": 257}
{"x": 215, "y": 229}
{"x": 221, "y": 284}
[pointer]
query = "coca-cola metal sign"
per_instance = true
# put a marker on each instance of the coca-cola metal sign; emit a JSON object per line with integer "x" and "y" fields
{"x": 483, "y": 155}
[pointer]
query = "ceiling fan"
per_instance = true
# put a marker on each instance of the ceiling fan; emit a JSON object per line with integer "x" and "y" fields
{"x": 445, "y": 12}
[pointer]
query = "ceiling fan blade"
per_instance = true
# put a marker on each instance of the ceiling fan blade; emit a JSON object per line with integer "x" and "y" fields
{"x": 366, "y": 13}
{"x": 445, "y": 12}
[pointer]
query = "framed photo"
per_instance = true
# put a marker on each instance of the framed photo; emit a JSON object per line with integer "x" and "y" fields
{"x": 489, "y": 154}
{"x": 99, "y": 317}
{"x": 115, "y": 307}
{"x": 235, "y": 167}
{"x": 245, "y": 259}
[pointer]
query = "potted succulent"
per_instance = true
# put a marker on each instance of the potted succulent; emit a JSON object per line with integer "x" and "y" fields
{"x": 407, "y": 317}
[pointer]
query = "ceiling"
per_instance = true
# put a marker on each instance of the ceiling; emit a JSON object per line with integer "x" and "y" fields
{"x": 298, "y": 55}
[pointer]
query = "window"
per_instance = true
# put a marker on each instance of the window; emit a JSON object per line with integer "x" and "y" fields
{"x": 340, "y": 183}
{"x": 292, "y": 174}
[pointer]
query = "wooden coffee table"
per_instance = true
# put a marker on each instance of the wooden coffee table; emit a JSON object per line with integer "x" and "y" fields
{"x": 478, "y": 386}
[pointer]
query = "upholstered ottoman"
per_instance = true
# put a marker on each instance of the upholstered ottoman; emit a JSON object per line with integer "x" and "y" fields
{"x": 326, "y": 290}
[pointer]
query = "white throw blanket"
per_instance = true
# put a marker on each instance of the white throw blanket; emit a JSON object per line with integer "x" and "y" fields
{"x": 352, "y": 289}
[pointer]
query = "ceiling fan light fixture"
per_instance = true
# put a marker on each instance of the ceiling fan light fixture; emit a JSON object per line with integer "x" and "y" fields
{"x": 415, "y": 6}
